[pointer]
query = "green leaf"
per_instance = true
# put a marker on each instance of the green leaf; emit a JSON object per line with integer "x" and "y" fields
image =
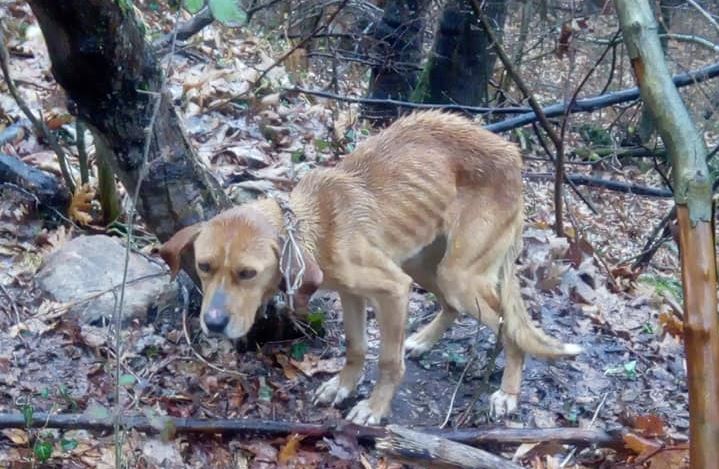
{"x": 126, "y": 380}
{"x": 68, "y": 445}
{"x": 27, "y": 412}
{"x": 298, "y": 350}
{"x": 298, "y": 155}
{"x": 264, "y": 393}
{"x": 228, "y": 12}
{"x": 321, "y": 145}
{"x": 43, "y": 450}
{"x": 316, "y": 321}
{"x": 630, "y": 369}
{"x": 193, "y": 6}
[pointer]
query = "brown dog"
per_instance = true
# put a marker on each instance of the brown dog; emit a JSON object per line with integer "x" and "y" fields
{"x": 433, "y": 198}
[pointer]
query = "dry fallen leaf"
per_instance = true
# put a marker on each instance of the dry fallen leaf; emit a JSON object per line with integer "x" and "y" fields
{"x": 57, "y": 118}
{"x": 289, "y": 449}
{"x": 17, "y": 436}
{"x": 81, "y": 204}
{"x": 263, "y": 451}
{"x": 671, "y": 324}
{"x": 640, "y": 445}
{"x": 289, "y": 369}
{"x": 33, "y": 325}
{"x": 311, "y": 365}
{"x": 649, "y": 425}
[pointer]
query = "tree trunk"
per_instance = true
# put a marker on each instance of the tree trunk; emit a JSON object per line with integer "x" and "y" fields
{"x": 100, "y": 57}
{"x": 693, "y": 196}
{"x": 398, "y": 47}
{"x": 462, "y": 60}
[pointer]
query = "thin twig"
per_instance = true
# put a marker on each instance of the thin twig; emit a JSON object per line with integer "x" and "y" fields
{"x": 470, "y": 362}
{"x": 39, "y": 124}
{"x": 283, "y": 57}
{"x": 594, "y": 419}
{"x": 543, "y": 121}
{"x": 149, "y": 132}
{"x": 82, "y": 151}
{"x": 704, "y": 13}
{"x": 487, "y": 372}
{"x": 410, "y": 105}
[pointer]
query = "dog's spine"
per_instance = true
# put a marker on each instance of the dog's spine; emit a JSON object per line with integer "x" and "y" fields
{"x": 518, "y": 325}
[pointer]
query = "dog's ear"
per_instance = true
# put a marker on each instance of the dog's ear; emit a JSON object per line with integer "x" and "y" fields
{"x": 311, "y": 281}
{"x": 171, "y": 250}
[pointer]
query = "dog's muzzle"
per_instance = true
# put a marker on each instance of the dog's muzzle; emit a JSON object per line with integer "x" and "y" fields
{"x": 216, "y": 317}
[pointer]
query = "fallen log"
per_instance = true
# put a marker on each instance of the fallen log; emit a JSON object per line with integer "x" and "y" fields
{"x": 46, "y": 188}
{"x": 483, "y": 436}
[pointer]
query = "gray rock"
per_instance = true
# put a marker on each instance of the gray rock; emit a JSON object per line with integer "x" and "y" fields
{"x": 87, "y": 270}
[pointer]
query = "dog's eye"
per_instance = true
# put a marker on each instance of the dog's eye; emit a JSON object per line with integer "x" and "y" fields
{"x": 203, "y": 266}
{"x": 246, "y": 274}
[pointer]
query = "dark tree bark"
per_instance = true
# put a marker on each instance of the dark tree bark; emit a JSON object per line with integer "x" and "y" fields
{"x": 398, "y": 47}
{"x": 460, "y": 65}
{"x": 100, "y": 57}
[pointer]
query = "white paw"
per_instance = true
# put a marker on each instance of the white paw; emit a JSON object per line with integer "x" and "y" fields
{"x": 416, "y": 346}
{"x": 331, "y": 392}
{"x": 573, "y": 349}
{"x": 502, "y": 404}
{"x": 362, "y": 414}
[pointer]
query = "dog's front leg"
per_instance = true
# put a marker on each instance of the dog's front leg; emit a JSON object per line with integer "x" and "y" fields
{"x": 391, "y": 315}
{"x": 341, "y": 386}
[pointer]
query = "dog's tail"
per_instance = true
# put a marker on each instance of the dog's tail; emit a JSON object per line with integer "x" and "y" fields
{"x": 517, "y": 323}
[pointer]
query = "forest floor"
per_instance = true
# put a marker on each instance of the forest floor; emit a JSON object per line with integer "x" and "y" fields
{"x": 578, "y": 288}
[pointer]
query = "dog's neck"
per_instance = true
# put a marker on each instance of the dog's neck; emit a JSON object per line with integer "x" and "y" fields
{"x": 300, "y": 212}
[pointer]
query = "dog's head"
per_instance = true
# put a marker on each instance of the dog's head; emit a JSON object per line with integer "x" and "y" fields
{"x": 237, "y": 257}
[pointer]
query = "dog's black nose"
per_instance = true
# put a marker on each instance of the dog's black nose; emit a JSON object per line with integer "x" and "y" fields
{"x": 216, "y": 320}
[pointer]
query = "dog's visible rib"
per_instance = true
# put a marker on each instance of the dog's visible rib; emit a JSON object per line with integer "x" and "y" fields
{"x": 434, "y": 199}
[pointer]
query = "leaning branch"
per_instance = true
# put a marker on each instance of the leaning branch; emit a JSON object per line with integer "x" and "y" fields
{"x": 602, "y": 101}
{"x": 692, "y": 183}
{"x": 411, "y": 105}
{"x": 616, "y": 186}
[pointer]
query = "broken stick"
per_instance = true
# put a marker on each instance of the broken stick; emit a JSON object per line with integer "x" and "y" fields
{"x": 415, "y": 447}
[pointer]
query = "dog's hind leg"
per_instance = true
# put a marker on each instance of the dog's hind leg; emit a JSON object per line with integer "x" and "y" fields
{"x": 341, "y": 386}
{"x": 477, "y": 276}
{"x": 423, "y": 270}
{"x": 424, "y": 339}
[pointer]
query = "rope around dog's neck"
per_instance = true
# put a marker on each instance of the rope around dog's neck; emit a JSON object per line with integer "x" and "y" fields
{"x": 291, "y": 254}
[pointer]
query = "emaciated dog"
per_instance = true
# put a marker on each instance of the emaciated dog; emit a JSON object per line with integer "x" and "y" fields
{"x": 433, "y": 198}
